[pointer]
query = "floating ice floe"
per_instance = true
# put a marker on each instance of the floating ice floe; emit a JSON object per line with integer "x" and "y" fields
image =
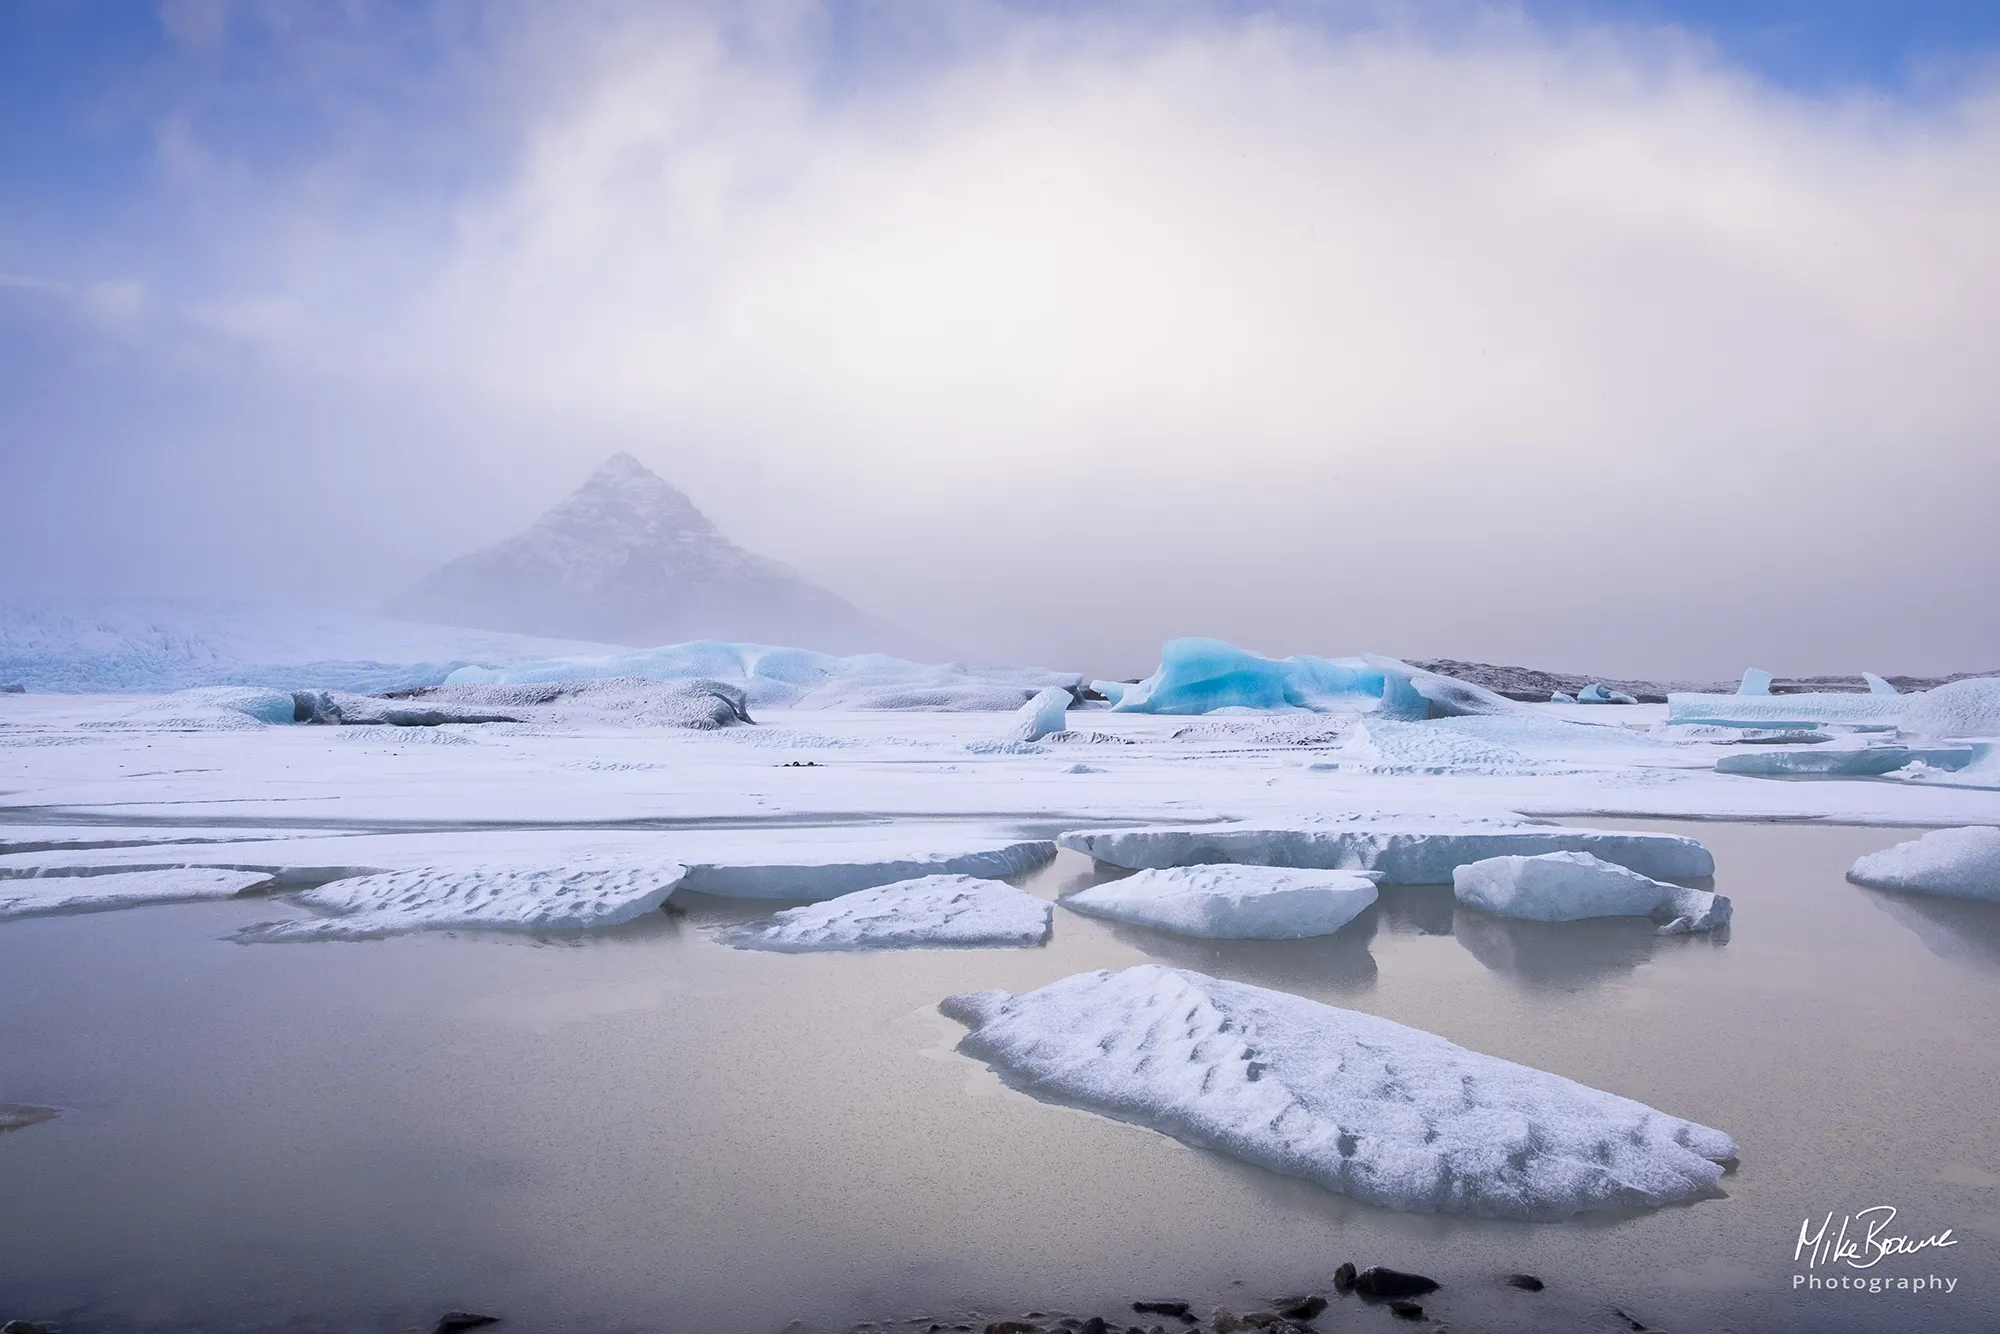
{"x": 1403, "y": 853}
{"x": 933, "y": 911}
{"x": 1842, "y": 761}
{"x": 1788, "y": 711}
{"x": 1969, "y": 708}
{"x": 578, "y": 897}
{"x": 38, "y": 896}
{"x": 1387, "y": 1114}
{"x": 1960, "y": 863}
{"x": 1232, "y": 902}
{"x": 1570, "y": 886}
{"x": 1203, "y": 675}
{"x": 1041, "y": 715}
{"x": 808, "y": 878}
{"x": 1599, "y": 693}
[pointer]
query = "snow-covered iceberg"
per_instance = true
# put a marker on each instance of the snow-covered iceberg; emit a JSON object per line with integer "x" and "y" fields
{"x": 1756, "y": 681}
{"x": 38, "y": 896}
{"x": 1961, "y": 863}
{"x": 1203, "y": 675}
{"x": 1414, "y": 852}
{"x": 1387, "y": 1114}
{"x": 1969, "y": 708}
{"x": 1572, "y": 886}
{"x": 843, "y": 872}
{"x": 1041, "y": 715}
{"x": 1842, "y": 761}
{"x": 1599, "y": 693}
{"x": 1232, "y": 902}
{"x": 930, "y": 912}
{"x": 576, "y": 897}
{"x": 1787, "y": 711}
{"x": 775, "y": 677}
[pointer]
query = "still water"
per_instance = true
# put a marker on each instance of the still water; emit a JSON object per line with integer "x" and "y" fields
{"x": 646, "y": 1131}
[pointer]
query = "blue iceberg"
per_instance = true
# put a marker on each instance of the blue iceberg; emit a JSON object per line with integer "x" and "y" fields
{"x": 1203, "y": 675}
{"x": 1599, "y": 693}
{"x": 1756, "y": 681}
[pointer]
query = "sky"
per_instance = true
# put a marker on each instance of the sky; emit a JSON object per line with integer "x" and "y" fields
{"x": 1636, "y": 338}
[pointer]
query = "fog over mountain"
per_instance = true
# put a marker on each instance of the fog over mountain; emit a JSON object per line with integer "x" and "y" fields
{"x": 628, "y": 559}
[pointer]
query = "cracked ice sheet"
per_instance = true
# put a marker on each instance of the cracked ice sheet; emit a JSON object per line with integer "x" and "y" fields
{"x": 1388, "y": 1114}
{"x": 891, "y": 767}
{"x": 929, "y": 912}
{"x": 59, "y": 894}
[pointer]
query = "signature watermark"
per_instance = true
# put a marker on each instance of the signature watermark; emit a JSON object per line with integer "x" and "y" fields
{"x": 1834, "y": 1247}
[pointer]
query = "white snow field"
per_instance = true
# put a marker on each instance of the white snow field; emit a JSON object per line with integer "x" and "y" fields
{"x": 930, "y": 912}
{"x": 1231, "y": 902}
{"x": 1572, "y": 886}
{"x": 1969, "y": 708}
{"x": 1959, "y": 863}
{"x": 1399, "y": 852}
{"x": 513, "y": 898}
{"x": 40, "y": 895}
{"x": 1388, "y": 1114}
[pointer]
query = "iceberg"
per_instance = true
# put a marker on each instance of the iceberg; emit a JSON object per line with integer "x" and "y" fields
{"x": 1787, "y": 711}
{"x": 1232, "y": 902}
{"x": 39, "y": 896}
{"x": 1113, "y": 691}
{"x": 1876, "y": 685}
{"x": 1571, "y": 886}
{"x": 813, "y": 879}
{"x": 1384, "y": 1113}
{"x": 933, "y": 911}
{"x": 1041, "y": 715}
{"x": 575, "y": 897}
{"x": 1968, "y": 708}
{"x": 1959, "y": 863}
{"x": 1599, "y": 693}
{"x": 1203, "y": 675}
{"x": 1756, "y": 681}
{"x": 1837, "y": 761}
{"x": 1557, "y": 697}
{"x": 618, "y": 701}
{"x": 1412, "y": 853}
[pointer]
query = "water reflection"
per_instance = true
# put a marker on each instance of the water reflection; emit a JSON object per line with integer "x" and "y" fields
{"x": 1964, "y": 930}
{"x": 1417, "y": 910}
{"x": 1338, "y": 963}
{"x": 1566, "y": 955}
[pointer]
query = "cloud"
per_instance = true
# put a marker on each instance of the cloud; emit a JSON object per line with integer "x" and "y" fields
{"x": 1068, "y": 333}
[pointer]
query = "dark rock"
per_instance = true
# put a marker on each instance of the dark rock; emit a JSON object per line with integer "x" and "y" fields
{"x": 1013, "y": 1327}
{"x": 1299, "y": 1308}
{"x": 1525, "y": 1282}
{"x": 1376, "y": 1281}
{"x": 1161, "y": 1308}
{"x": 1406, "y": 1310}
{"x": 1225, "y": 1321}
{"x": 1343, "y": 1278}
{"x": 1095, "y": 1325}
{"x": 14, "y": 688}
{"x": 1631, "y": 1321}
{"x": 456, "y": 1322}
{"x": 25, "y": 1326}
{"x": 20, "y": 1115}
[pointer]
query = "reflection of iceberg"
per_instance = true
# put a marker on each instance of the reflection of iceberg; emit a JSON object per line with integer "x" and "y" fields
{"x": 1965, "y": 930}
{"x": 1568, "y": 955}
{"x": 1203, "y": 675}
{"x": 1384, "y": 1113}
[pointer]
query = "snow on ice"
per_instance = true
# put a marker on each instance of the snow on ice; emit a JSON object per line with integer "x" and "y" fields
{"x": 930, "y": 912}
{"x": 513, "y": 898}
{"x": 1232, "y": 902}
{"x": 1041, "y": 715}
{"x": 1387, "y": 1114}
{"x": 37, "y": 896}
{"x": 1571, "y": 886}
{"x": 1969, "y": 708}
{"x": 1959, "y": 863}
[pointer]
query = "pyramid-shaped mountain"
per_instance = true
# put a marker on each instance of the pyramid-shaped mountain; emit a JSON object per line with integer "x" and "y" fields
{"x": 628, "y": 559}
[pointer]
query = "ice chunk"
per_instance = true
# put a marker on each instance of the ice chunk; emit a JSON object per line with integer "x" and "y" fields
{"x": 1203, "y": 675}
{"x": 1599, "y": 693}
{"x": 574, "y": 897}
{"x": 1876, "y": 685}
{"x": 1787, "y": 711}
{"x": 814, "y": 879}
{"x": 205, "y": 709}
{"x": 1756, "y": 681}
{"x": 619, "y": 701}
{"x": 1416, "y": 853}
{"x": 1232, "y": 902}
{"x": 38, "y": 896}
{"x": 1838, "y": 761}
{"x": 1961, "y": 863}
{"x": 931, "y": 911}
{"x": 1113, "y": 691}
{"x": 1570, "y": 886}
{"x": 1557, "y": 697}
{"x": 1969, "y": 708}
{"x": 1387, "y": 1114}
{"x": 1041, "y": 715}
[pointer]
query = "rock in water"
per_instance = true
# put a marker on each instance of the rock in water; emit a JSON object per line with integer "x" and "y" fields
{"x": 1388, "y": 1114}
{"x": 628, "y": 559}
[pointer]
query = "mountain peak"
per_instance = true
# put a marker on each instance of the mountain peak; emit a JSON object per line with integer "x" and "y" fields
{"x": 622, "y": 467}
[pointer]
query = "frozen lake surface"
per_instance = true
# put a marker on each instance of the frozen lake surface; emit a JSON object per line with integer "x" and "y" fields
{"x": 641, "y": 1128}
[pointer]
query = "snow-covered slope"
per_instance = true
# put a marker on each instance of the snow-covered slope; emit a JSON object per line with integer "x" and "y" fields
{"x": 140, "y": 644}
{"x": 629, "y": 559}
